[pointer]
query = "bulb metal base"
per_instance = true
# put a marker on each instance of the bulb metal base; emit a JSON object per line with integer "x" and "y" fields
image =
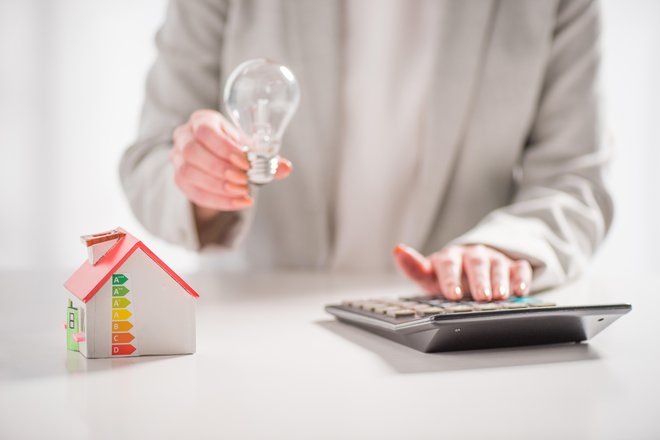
{"x": 262, "y": 168}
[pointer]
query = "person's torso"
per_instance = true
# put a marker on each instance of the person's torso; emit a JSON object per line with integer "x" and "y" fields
{"x": 413, "y": 118}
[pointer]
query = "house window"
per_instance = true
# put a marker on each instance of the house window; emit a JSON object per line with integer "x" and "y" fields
{"x": 72, "y": 321}
{"x": 82, "y": 319}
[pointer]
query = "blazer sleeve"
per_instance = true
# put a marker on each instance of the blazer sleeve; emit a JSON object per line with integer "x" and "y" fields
{"x": 185, "y": 77}
{"x": 561, "y": 209}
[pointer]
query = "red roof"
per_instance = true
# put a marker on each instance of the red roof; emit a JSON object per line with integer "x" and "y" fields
{"x": 88, "y": 279}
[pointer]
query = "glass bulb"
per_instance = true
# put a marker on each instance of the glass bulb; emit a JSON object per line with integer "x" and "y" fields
{"x": 260, "y": 97}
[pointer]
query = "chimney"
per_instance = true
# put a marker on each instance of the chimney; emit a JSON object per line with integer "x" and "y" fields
{"x": 99, "y": 244}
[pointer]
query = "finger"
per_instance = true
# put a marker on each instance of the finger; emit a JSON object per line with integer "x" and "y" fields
{"x": 284, "y": 168}
{"x": 191, "y": 174}
{"x": 448, "y": 269}
{"x": 521, "y": 277}
{"x": 416, "y": 267}
{"x": 206, "y": 199}
{"x": 210, "y": 128}
{"x": 477, "y": 266}
{"x": 500, "y": 269}
{"x": 199, "y": 156}
{"x": 194, "y": 152}
{"x": 182, "y": 136}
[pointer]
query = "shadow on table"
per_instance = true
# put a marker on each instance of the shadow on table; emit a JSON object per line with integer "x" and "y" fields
{"x": 406, "y": 360}
{"x": 40, "y": 364}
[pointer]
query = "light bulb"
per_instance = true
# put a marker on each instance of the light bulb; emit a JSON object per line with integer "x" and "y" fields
{"x": 260, "y": 97}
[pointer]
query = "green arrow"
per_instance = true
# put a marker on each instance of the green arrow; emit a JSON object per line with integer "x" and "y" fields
{"x": 118, "y": 279}
{"x": 120, "y": 303}
{"x": 119, "y": 291}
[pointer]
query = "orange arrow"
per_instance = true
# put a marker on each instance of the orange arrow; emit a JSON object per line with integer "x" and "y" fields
{"x": 122, "y": 338}
{"x": 118, "y": 350}
{"x": 121, "y": 326}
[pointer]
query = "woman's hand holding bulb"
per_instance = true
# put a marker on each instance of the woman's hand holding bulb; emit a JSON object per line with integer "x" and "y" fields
{"x": 210, "y": 167}
{"x": 456, "y": 271}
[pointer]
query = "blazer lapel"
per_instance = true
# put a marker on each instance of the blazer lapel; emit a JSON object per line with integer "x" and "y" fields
{"x": 461, "y": 48}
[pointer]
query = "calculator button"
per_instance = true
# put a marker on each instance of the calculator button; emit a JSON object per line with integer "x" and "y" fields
{"x": 458, "y": 308}
{"x": 444, "y": 303}
{"x": 404, "y": 304}
{"x": 400, "y": 313}
{"x": 385, "y": 309}
{"x": 369, "y": 306}
{"x": 429, "y": 311}
{"x": 382, "y": 300}
{"x": 487, "y": 306}
{"x": 410, "y": 303}
{"x": 514, "y": 305}
{"x": 420, "y": 307}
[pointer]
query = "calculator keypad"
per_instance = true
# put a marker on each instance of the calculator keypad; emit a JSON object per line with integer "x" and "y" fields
{"x": 421, "y": 307}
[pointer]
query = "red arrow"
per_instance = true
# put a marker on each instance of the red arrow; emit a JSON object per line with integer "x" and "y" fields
{"x": 122, "y": 349}
{"x": 122, "y": 337}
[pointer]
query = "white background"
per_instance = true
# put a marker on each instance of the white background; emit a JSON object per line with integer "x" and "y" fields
{"x": 71, "y": 87}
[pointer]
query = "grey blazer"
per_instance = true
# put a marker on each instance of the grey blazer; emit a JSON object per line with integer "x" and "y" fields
{"x": 512, "y": 156}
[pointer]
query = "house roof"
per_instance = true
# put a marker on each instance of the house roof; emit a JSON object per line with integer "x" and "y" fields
{"x": 88, "y": 278}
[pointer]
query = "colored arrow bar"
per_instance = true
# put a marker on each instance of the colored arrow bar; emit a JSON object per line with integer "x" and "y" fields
{"x": 122, "y": 338}
{"x": 121, "y": 315}
{"x": 121, "y": 326}
{"x": 122, "y": 349}
{"x": 120, "y": 303}
{"x": 119, "y": 291}
{"x": 118, "y": 279}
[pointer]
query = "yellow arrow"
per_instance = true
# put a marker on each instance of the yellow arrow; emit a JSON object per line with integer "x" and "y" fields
{"x": 120, "y": 315}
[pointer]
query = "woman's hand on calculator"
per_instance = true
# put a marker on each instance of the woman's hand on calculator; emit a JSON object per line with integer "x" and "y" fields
{"x": 453, "y": 272}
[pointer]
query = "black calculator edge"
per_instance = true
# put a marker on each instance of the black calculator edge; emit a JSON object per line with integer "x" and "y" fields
{"x": 621, "y": 309}
{"x": 435, "y": 333}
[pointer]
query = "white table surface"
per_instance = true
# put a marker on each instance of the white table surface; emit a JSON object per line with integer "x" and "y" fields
{"x": 271, "y": 364}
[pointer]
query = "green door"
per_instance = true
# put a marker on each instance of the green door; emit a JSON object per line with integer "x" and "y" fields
{"x": 72, "y": 327}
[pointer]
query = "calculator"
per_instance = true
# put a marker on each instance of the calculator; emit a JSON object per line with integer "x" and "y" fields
{"x": 432, "y": 324}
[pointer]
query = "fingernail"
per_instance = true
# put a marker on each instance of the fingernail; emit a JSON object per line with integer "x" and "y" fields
{"x": 400, "y": 249}
{"x": 242, "y": 202}
{"x": 488, "y": 293}
{"x": 504, "y": 292}
{"x": 458, "y": 292}
{"x": 240, "y": 161}
{"x": 523, "y": 287}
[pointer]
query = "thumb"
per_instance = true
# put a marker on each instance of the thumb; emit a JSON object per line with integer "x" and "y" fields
{"x": 416, "y": 267}
{"x": 284, "y": 168}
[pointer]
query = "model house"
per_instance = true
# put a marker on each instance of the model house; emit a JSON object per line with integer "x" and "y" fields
{"x": 124, "y": 301}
